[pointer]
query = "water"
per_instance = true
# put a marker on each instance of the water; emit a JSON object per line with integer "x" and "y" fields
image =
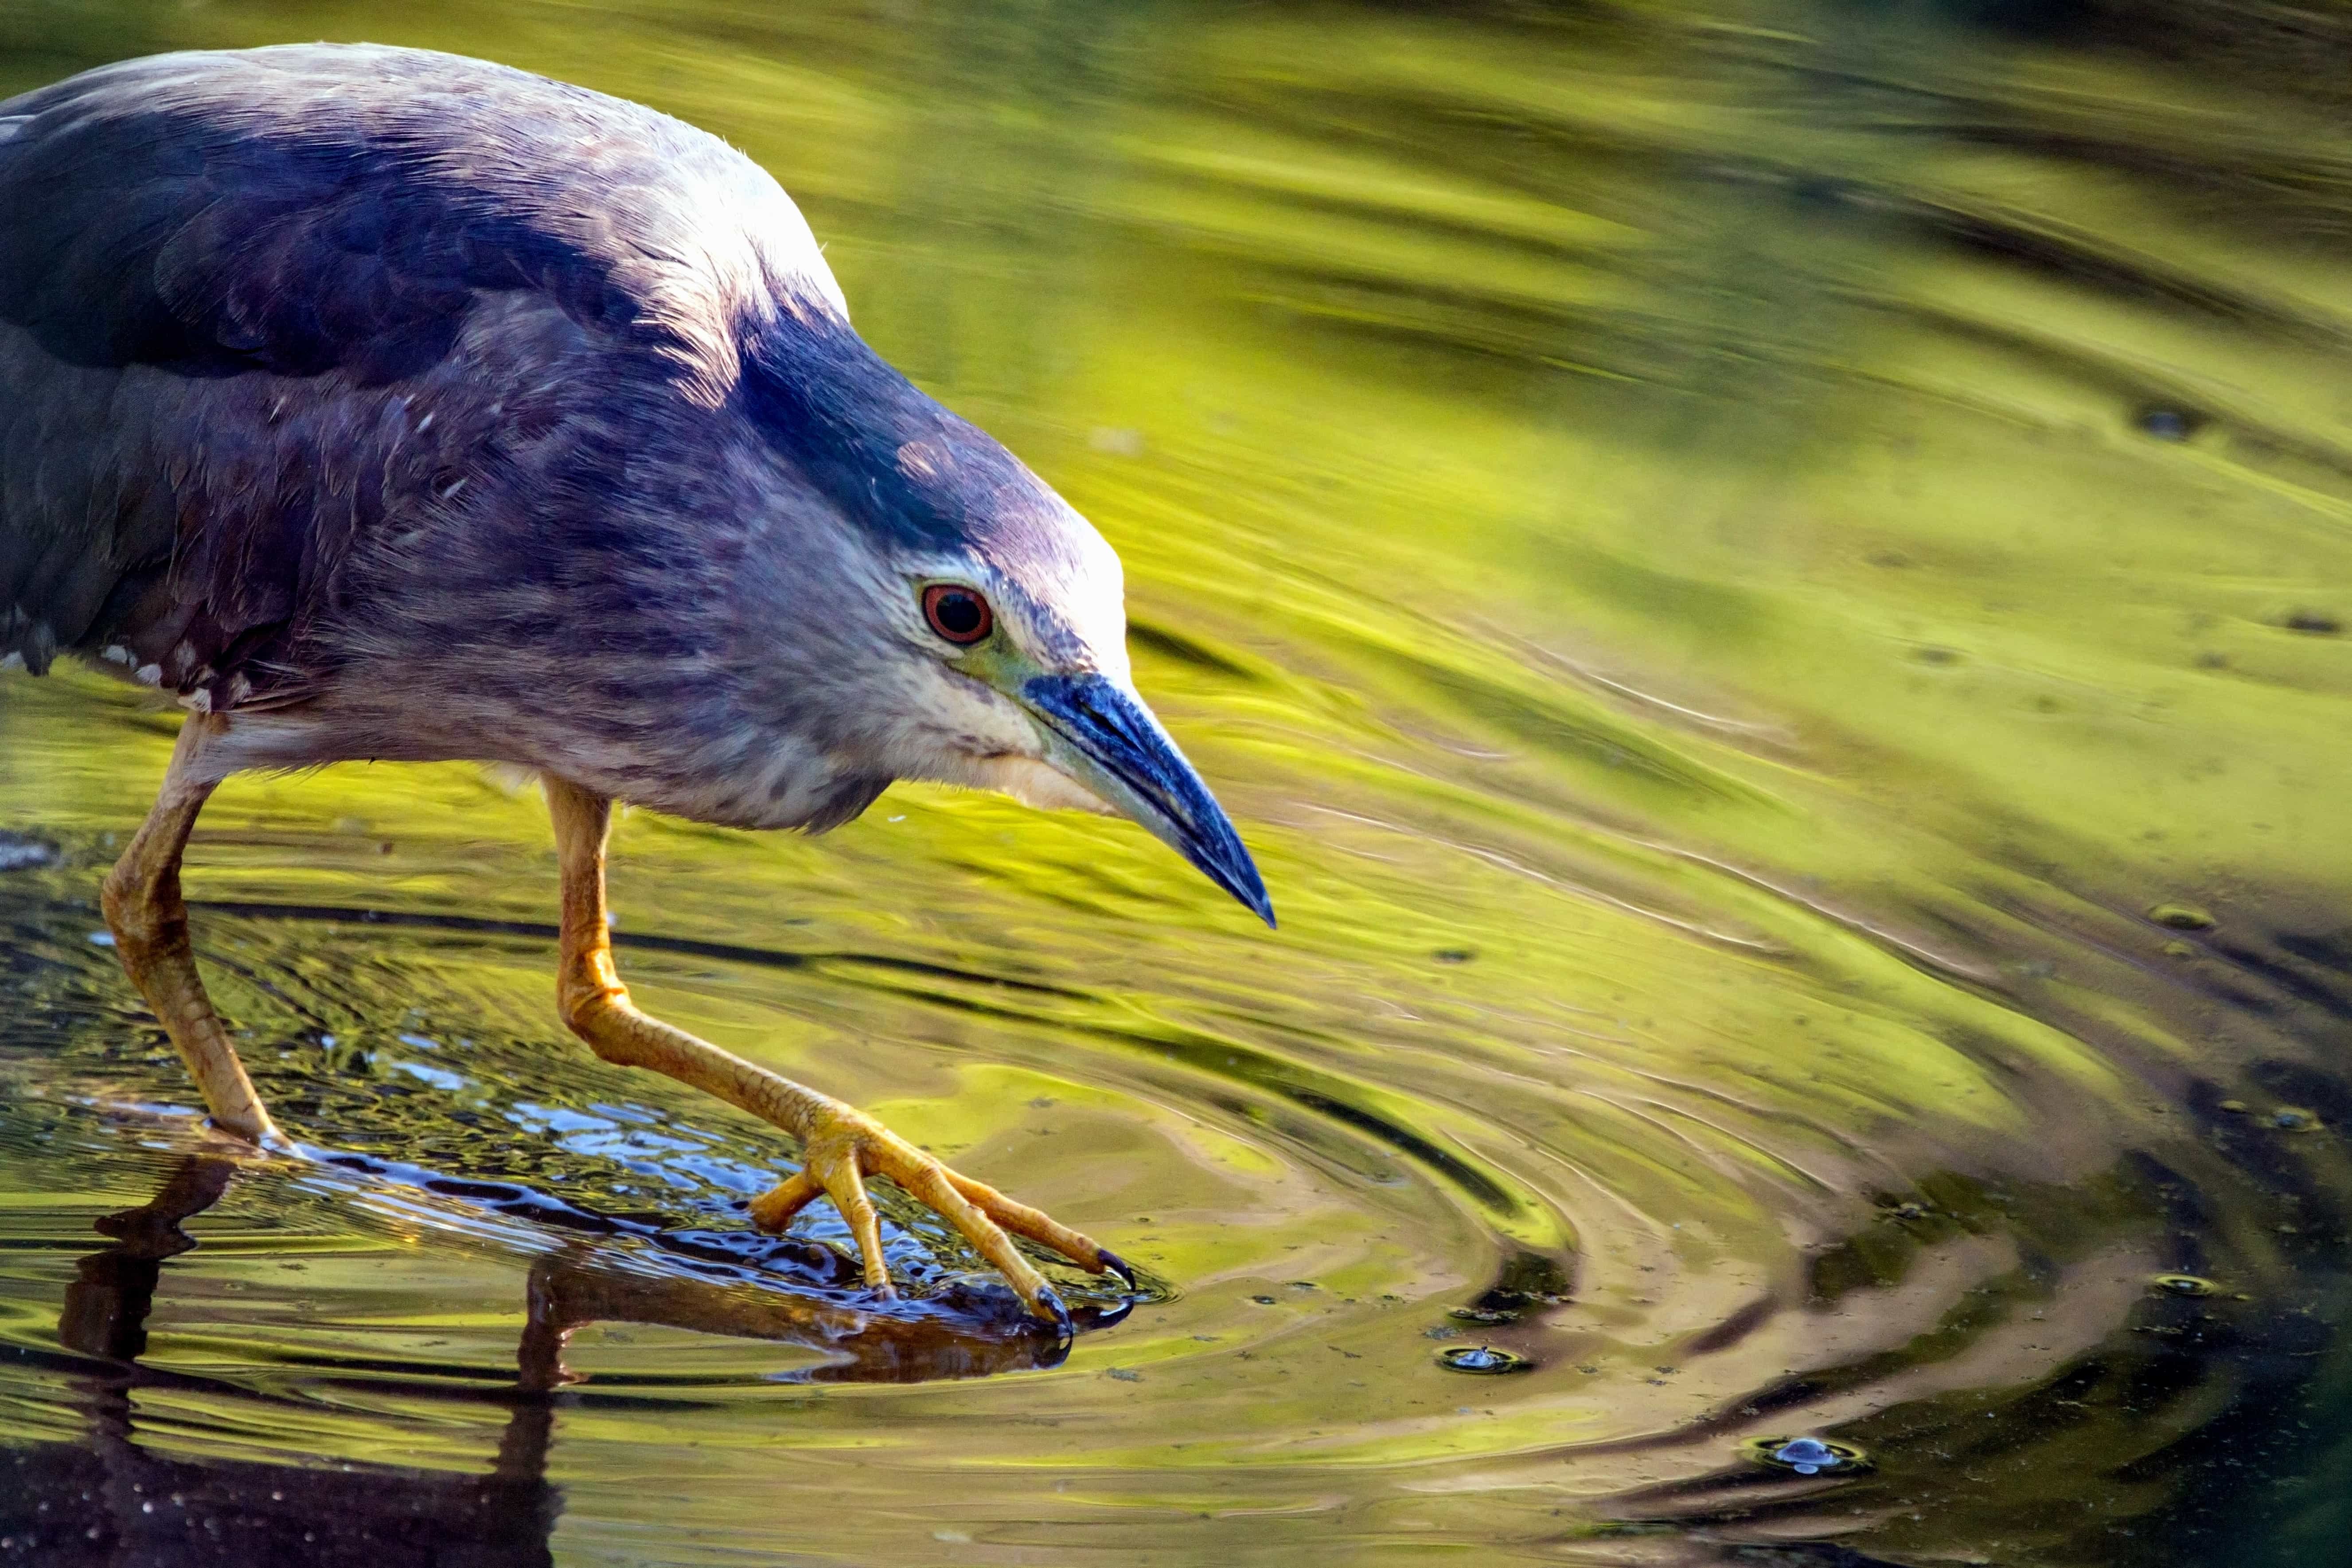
{"x": 1768, "y": 582}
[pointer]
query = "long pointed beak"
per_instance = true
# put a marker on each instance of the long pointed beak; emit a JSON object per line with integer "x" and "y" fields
{"x": 1103, "y": 736}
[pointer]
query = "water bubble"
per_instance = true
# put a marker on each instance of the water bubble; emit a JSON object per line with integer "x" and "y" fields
{"x": 2295, "y": 1119}
{"x": 1805, "y": 1455}
{"x": 2168, "y": 423}
{"x": 2181, "y": 916}
{"x": 1263, "y": 1301}
{"x": 2184, "y": 1284}
{"x": 1483, "y": 1359}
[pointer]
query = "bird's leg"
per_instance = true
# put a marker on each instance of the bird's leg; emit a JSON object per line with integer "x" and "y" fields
{"x": 150, "y": 921}
{"x": 839, "y": 1145}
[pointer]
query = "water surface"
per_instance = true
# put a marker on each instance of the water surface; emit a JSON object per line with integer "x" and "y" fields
{"x": 1767, "y": 582}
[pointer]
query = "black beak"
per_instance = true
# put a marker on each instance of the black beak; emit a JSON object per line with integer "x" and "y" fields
{"x": 1117, "y": 749}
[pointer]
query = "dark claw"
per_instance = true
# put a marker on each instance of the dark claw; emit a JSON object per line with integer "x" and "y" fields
{"x": 1116, "y": 1265}
{"x": 1066, "y": 1328}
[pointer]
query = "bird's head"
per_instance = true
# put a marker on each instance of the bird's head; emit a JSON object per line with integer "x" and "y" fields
{"x": 986, "y": 617}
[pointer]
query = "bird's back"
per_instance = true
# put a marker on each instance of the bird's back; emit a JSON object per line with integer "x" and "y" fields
{"x": 229, "y": 282}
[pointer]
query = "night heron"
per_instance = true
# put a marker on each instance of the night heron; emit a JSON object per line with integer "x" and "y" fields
{"x": 387, "y": 404}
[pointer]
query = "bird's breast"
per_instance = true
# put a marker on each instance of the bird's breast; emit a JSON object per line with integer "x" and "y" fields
{"x": 767, "y": 784}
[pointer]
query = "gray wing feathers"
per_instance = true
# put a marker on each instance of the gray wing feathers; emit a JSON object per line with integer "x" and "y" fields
{"x": 230, "y": 281}
{"x": 64, "y": 521}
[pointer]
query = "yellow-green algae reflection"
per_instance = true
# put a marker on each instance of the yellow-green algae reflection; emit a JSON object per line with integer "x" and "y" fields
{"x": 1768, "y": 582}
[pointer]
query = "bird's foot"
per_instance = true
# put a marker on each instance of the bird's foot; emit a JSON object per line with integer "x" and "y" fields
{"x": 843, "y": 1145}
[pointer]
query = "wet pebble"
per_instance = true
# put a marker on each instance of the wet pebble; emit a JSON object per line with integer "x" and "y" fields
{"x": 2181, "y": 916}
{"x": 2295, "y": 1119}
{"x": 1486, "y": 1317}
{"x": 1483, "y": 1359}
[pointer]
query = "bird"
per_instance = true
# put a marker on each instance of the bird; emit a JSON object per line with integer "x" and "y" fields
{"x": 377, "y": 404}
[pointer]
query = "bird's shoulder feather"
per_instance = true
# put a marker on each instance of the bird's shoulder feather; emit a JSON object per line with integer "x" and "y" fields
{"x": 226, "y": 278}
{"x": 316, "y": 208}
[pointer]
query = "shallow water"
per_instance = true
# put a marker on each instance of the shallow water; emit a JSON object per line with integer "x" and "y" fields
{"x": 1767, "y": 582}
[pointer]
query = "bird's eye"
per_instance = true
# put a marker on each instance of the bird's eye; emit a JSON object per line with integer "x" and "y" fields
{"x": 957, "y": 614}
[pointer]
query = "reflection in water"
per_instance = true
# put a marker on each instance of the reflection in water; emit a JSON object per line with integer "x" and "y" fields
{"x": 106, "y": 1497}
{"x": 1770, "y": 576}
{"x": 573, "y": 1290}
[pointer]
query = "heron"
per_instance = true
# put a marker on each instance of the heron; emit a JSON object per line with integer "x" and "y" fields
{"x": 384, "y": 404}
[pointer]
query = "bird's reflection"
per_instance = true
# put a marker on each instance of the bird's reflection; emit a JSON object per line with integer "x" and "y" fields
{"x": 111, "y": 1500}
{"x": 107, "y": 1305}
{"x": 574, "y": 1288}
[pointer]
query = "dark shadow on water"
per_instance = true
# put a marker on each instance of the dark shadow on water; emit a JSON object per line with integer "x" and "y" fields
{"x": 111, "y": 1500}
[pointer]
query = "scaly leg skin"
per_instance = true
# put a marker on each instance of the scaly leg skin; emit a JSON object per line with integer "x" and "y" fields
{"x": 839, "y": 1146}
{"x": 150, "y": 921}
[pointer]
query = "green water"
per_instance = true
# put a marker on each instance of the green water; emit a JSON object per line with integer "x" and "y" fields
{"x": 1767, "y": 582}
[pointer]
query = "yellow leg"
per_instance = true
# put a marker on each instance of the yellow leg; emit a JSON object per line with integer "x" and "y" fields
{"x": 150, "y": 921}
{"x": 838, "y": 1145}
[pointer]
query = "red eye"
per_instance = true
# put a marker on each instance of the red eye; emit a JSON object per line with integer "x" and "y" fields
{"x": 957, "y": 614}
